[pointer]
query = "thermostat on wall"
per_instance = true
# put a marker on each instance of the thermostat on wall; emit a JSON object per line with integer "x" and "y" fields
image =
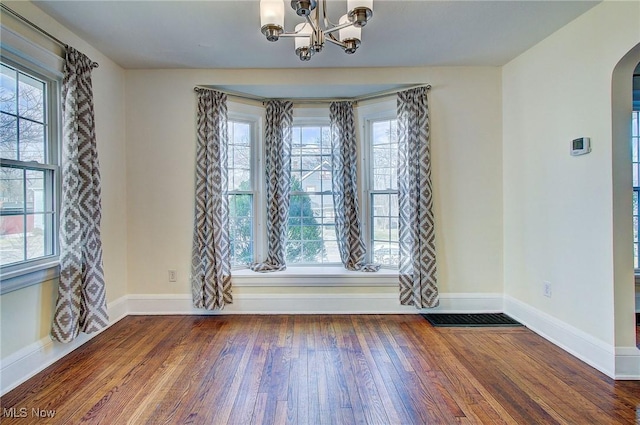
{"x": 580, "y": 146}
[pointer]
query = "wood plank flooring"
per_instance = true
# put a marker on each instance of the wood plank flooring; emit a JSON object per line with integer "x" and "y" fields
{"x": 308, "y": 369}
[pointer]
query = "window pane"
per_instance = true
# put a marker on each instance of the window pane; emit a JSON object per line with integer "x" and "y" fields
{"x": 8, "y": 137}
{"x": 35, "y": 233}
{"x": 313, "y": 251}
{"x": 311, "y": 136}
{"x": 11, "y": 239}
{"x": 294, "y": 251}
{"x": 36, "y": 197}
{"x": 328, "y": 213}
{"x": 326, "y": 140}
{"x": 241, "y": 155}
{"x": 393, "y": 205}
{"x": 386, "y": 254}
{"x": 241, "y": 133}
{"x": 384, "y": 176}
{"x": 8, "y": 98}
{"x": 239, "y": 160}
{"x": 11, "y": 190}
{"x": 240, "y": 205}
{"x": 241, "y": 228}
{"x": 295, "y": 136}
{"x": 380, "y": 132}
{"x": 331, "y": 253}
{"x": 32, "y": 142}
{"x": 31, "y": 98}
{"x": 310, "y": 161}
{"x": 311, "y": 214}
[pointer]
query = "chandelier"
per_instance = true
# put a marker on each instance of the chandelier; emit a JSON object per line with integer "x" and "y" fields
{"x": 311, "y": 35}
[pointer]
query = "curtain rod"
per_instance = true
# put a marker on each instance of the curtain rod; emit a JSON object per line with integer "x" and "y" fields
{"x": 34, "y": 26}
{"x": 314, "y": 99}
{"x": 40, "y": 30}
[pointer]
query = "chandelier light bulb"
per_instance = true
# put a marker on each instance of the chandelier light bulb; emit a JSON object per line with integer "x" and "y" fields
{"x": 272, "y": 18}
{"x": 272, "y": 12}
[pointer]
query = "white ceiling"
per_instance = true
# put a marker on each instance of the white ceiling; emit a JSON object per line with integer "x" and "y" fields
{"x": 226, "y": 34}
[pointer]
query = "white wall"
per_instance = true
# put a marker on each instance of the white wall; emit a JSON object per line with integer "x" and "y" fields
{"x": 465, "y": 106}
{"x": 558, "y": 209}
{"x": 26, "y": 314}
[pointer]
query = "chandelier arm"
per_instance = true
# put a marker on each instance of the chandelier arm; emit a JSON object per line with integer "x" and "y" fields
{"x": 311, "y": 22}
{"x": 335, "y": 41}
{"x": 327, "y": 22}
{"x": 338, "y": 27}
{"x": 294, "y": 33}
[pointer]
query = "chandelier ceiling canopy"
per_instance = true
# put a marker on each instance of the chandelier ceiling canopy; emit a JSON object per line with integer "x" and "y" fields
{"x": 310, "y": 35}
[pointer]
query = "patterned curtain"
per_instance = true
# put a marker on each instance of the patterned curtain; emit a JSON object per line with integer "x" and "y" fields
{"x": 345, "y": 188}
{"x": 417, "y": 270}
{"x": 210, "y": 256}
{"x": 278, "y": 173}
{"x": 81, "y": 305}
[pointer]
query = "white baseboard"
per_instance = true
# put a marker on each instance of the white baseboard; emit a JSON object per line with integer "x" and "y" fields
{"x": 617, "y": 363}
{"x": 320, "y": 303}
{"x": 627, "y": 363}
{"x": 32, "y": 359}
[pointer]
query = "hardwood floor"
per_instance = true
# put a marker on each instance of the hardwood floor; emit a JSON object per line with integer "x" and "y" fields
{"x": 360, "y": 369}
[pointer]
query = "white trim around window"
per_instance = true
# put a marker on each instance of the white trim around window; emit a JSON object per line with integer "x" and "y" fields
{"x": 32, "y": 59}
{"x": 368, "y": 113}
{"x": 254, "y": 116}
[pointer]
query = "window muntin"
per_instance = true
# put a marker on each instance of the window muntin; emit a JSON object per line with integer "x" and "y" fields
{"x": 383, "y": 201}
{"x": 311, "y": 234}
{"x": 28, "y": 171}
{"x": 241, "y": 191}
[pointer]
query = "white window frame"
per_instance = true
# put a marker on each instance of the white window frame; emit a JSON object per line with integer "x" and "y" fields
{"x": 368, "y": 113}
{"x": 254, "y": 116}
{"x": 312, "y": 116}
{"x": 30, "y": 58}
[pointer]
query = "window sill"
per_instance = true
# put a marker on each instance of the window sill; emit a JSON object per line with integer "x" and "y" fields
{"x": 21, "y": 278}
{"x": 315, "y": 276}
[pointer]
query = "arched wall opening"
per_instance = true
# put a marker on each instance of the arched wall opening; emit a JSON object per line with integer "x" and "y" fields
{"x": 624, "y": 279}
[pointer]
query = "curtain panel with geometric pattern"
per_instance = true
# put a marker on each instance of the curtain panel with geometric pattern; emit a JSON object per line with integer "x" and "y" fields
{"x": 345, "y": 188}
{"x": 278, "y": 139}
{"x": 417, "y": 268}
{"x": 81, "y": 305}
{"x": 210, "y": 257}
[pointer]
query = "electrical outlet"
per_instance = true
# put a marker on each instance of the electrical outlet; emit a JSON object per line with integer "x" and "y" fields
{"x": 547, "y": 289}
{"x": 173, "y": 275}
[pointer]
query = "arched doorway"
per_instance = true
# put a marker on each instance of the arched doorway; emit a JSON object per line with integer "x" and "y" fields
{"x": 627, "y": 353}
